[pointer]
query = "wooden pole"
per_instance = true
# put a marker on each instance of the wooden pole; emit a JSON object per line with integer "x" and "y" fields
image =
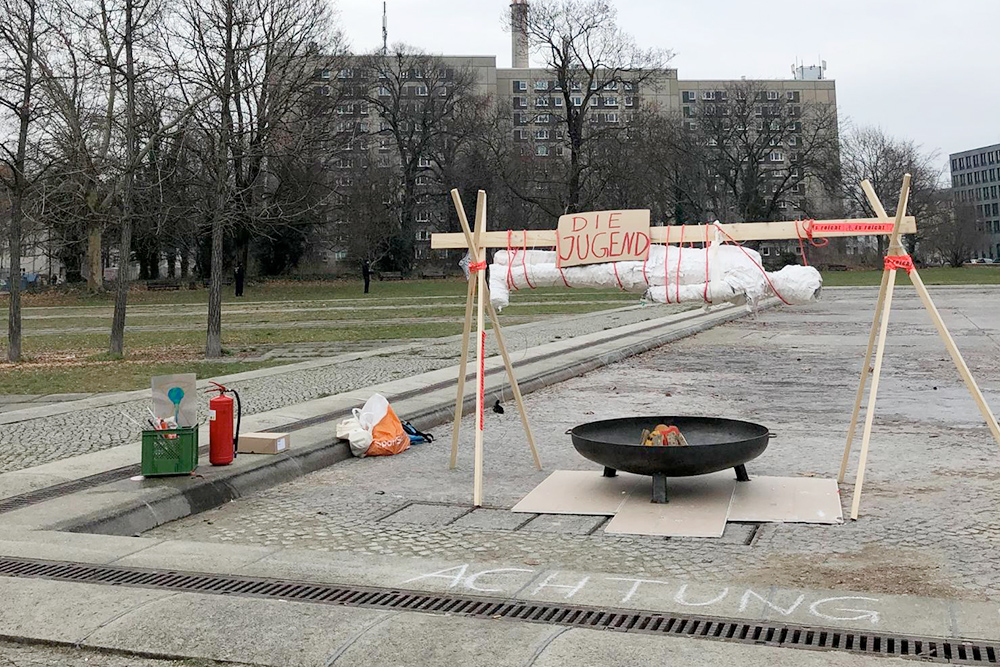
{"x": 894, "y": 249}
{"x": 513, "y": 381}
{"x": 870, "y": 413}
{"x": 866, "y": 370}
{"x": 956, "y": 356}
{"x": 479, "y": 256}
{"x": 462, "y": 368}
{"x": 464, "y": 222}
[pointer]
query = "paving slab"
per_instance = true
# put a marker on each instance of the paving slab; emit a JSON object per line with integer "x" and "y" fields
{"x": 588, "y": 647}
{"x": 65, "y": 612}
{"x": 426, "y": 515}
{"x": 79, "y": 547}
{"x": 491, "y": 519}
{"x": 261, "y": 632}
{"x": 418, "y": 640}
{"x": 567, "y": 524}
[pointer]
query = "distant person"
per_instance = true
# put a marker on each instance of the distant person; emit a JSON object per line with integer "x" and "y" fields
{"x": 366, "y": 273}
{"x": 240, "y": 275}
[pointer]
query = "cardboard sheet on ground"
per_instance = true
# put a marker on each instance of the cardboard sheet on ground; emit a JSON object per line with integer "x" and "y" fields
{"x": 697, "y": 507}
{"x": 582, "y": 492}
{"x": 788, "y": 500}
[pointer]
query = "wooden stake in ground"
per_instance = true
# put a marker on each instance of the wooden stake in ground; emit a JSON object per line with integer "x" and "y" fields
{"x": 498, "y": 331}
{"x": 882, "y": 321}
{"x": 479, "y": 268}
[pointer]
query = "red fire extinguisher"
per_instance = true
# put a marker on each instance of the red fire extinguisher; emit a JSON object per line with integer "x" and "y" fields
{"x": 222, "y": 442}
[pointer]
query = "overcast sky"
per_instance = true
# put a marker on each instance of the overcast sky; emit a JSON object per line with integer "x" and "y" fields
{"x": 924, "y": 69}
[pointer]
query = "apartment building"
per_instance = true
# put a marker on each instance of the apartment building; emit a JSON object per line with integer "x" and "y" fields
{"x": 536, "y": 103}
{"x": 975, "y": 180}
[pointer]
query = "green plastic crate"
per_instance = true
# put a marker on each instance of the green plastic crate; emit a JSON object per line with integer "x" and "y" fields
{"x": 163, "y": 455}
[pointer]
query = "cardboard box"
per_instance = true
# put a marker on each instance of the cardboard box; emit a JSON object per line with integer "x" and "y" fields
{"x": 262, "y": 443}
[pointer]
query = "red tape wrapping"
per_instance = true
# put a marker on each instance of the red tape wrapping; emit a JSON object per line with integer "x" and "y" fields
{"x": 477, "y": 266}
{"x": 820, "y": 228}
{"x": 482, "y": 379}
{"x": 893, "y": 262}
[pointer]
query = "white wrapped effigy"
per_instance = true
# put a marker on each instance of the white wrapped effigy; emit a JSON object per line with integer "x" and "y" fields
{"x": 670, "y": 275}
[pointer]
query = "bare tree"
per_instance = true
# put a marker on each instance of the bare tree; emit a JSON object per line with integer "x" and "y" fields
{"x": 592, "y": 61}
{"x": 254, "y": 59}
{"x": 19, "y": 29}
{"x": 748, "y": 153}
{"x": 950, "y": 230}
{"x": 869, "y": 153}
{"x": 424, "y": 111}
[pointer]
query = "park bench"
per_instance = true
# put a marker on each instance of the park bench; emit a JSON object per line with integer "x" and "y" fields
{"x": 433, "y": 273}
{"x": 390, "y": 275}
{"x": 162, "y": 285}
{"x": 836, "y": 267}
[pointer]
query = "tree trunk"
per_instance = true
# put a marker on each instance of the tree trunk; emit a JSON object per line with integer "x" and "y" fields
{"x": 213, "y": 341}
{"x": 95, "y": 270}
{"x": 117, "y": 343}
{"x": 17, "y": 203}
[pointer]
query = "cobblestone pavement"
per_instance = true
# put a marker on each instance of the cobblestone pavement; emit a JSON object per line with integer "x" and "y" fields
{"x": 929, "y": 525}
{"x": 31, "y": 443}
{"x": 36, "y": 655}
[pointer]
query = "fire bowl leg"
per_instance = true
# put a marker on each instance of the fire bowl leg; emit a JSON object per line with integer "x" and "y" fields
{"x": 660, "y": 489}
{"x": 741, "y": 473}
{"x": 610, "y": 472}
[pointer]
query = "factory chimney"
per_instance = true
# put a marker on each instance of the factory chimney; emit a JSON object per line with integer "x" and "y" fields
{"x": 519, "y": 33}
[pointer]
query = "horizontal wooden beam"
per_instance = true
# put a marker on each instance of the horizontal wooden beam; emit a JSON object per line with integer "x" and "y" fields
{"x": 738, "y": 231}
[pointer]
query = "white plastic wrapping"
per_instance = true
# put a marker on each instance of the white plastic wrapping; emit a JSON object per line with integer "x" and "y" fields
{"x": 670, "y": 275}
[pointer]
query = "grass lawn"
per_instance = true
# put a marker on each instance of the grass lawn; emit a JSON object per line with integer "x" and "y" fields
{"x": 69, "y": 359}
{"x": 941, "y": 275}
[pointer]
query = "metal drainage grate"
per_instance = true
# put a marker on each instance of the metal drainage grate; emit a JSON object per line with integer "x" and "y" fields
{"x": 928, "y": 649}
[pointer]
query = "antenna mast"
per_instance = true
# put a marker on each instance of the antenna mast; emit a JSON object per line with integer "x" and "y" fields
{"x": 385, "y": 29}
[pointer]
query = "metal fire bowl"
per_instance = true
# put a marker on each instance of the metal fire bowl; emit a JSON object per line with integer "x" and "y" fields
{"x": 714, "y": 444}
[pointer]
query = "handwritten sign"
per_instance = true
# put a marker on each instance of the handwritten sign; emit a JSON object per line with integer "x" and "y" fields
{"x": 602, "y": 236}
{"x": 852, "y": 227}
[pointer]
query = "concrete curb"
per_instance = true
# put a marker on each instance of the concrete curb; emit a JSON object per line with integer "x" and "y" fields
{"x": 172, "y": 502}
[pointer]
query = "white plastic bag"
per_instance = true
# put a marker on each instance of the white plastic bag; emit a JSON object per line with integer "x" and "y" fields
{"x": 345, "y": 427}
{"x": 371, "y": 413}
{"x": 360, "y": 441}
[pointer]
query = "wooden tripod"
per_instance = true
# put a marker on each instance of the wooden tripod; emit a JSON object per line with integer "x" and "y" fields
{"x": 877, "y": 337}
{"x": 479, "y": 292}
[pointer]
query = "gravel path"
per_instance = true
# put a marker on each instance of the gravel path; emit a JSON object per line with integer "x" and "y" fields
{"x": 31, "y": 443}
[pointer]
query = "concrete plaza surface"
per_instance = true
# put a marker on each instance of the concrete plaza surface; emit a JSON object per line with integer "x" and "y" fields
{"x": 929, "y": 523}
{"x": 920, "y": 561}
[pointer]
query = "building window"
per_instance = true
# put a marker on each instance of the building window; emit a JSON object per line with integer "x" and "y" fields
{"x": 423, "y": 216}
{"x": 422, "y": 180}
{"x": 345, "y": 74}
{"x": 689, "y": 112}
{"x": 776, "y": 156}
{"x": 557, "y": 101}
{"x": 325, "y": 74}
{"x": 541, "y": 134}
{"x": 383, "y": 91}
{"x": 628, "y": 85}
{"x": 424, "y": 162}
{"x": 708, "y": 94}
{"x": 611, "y": 85}
{"x": 541, "y": 151}
{"x": 611, "y": 117}
{"x": 793, "y": 140}
{"x": 793, "y": 96}
{"x": 772, "y": 94}
{"x": 520, "y": 102}
{"x": 520, "y": 86}
{"x": 687, "y": 96}
{"x": 765, "y": 251}
{"x": 610, "y": 101}
{"x": 577, "y": 100}
{"x": 543, "y": 118}
{"x": 630, "y": 101}
{"x": 541, "y": 85}
{"x": 541, "y": 102}
{"x": 421, "y": 91}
